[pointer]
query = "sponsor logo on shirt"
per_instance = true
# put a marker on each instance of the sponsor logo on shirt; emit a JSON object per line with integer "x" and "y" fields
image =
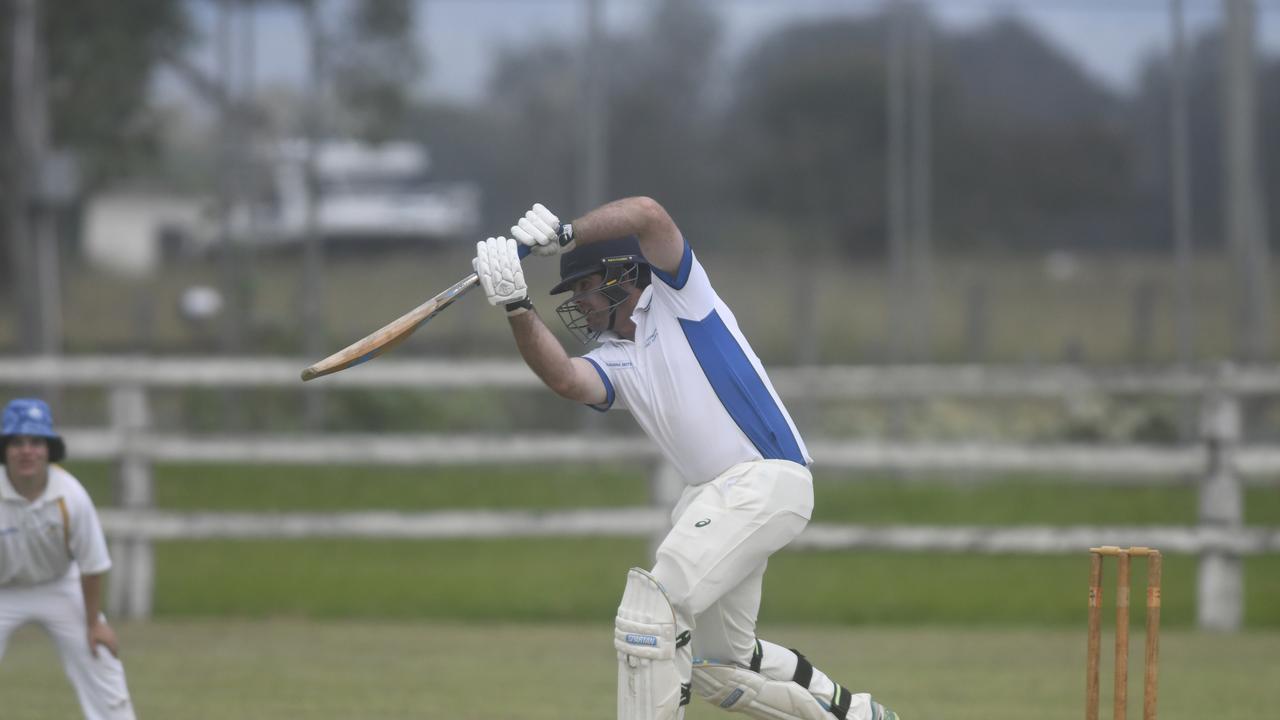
{"x": 48, "y": 526}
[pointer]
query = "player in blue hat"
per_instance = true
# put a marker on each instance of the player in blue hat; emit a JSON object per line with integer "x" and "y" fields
{"x": 53, "y": 557}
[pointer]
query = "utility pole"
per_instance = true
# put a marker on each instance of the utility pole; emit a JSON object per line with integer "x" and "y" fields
{"x": 1245, "y": 214}
{"x": 313, "y": 252}
{"x": 899, "y": 239}
{"x": 233, "y": 313}
{"x": 593, "y": 146}
{"x": 231, "y": 333}
{"x": 921, "y": 184}
{"x": 244, "y": 165}
{"x": 27, "y": 105}
{"x": 1180, "y": 201}
{"x": 910, "y": 183}
{"x": 593, "y": 175}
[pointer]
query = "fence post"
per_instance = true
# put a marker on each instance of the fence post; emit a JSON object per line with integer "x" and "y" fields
{"x": 133, "y": 577}
{"x": 1220, "y": 584}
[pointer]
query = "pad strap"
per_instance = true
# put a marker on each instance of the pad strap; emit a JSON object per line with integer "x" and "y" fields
{"x": 757, "y": 655}
{"x": 840, "y": 700}
{"x": 804, "y": 671}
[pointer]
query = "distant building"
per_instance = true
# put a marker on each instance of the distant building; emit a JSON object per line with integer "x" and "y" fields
{"x": 368, "y": 194}
{"x": 130, "y": 232}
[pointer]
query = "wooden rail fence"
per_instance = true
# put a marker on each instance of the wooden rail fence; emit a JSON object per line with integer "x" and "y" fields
{"x": 1218, "y": 464}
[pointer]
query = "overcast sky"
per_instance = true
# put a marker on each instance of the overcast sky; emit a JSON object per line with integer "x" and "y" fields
{"x": 1110, "y": 38}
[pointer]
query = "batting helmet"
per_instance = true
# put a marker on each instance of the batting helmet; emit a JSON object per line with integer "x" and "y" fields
{"x": 601, "y": 257}
{"x": 620, "y": 262}
{"x": 31, "y": 417}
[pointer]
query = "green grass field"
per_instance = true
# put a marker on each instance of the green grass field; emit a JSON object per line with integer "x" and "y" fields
{"x": 286, "y": 668}
{"x": 520, "y": 628}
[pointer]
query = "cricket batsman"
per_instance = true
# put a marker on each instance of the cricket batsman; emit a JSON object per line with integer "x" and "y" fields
{"x": 53, "y": 557}
{"x": 670, "y": 351}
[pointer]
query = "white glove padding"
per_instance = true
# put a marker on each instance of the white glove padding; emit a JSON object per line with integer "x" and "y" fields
{"x": 541, "y": 230}
{"x": 498, "y": 266}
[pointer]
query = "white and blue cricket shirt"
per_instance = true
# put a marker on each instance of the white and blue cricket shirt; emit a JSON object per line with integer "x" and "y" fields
{"x": 44, "y": 539}
{"x": 693, "y": 382}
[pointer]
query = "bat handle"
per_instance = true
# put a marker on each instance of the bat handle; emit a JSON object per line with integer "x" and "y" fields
{"x": 523, "y": 250}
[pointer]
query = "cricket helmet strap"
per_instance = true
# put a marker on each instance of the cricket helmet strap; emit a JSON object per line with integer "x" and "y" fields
{"x": 31, "y": 417}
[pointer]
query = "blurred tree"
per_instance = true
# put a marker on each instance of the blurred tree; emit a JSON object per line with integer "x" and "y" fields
{"x": 1031, "y": 150}
{"x": 99, "y": 58}
{"x": 804, "y": 133}
{"x": 1148, "y": 126}
{"x": 533, "y": 100}
{"x": 660, "y": 112}
{"x": 658, "y": 108}
{"x": 1269, "y": 140}
{"x": 1028, "y": 150}
{"x": 376, "y": 63}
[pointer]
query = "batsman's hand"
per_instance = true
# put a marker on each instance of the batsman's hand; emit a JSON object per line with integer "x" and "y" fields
{"x": 543, "y": 232}
{"x": 497, "y": 264}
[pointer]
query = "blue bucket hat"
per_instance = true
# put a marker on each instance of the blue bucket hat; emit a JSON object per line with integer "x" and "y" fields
{"x": 31, "y": 417}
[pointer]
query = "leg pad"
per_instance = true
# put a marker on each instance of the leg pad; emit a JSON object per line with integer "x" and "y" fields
{"x": 653, "y": 657}
{"x": 738, "y": 689}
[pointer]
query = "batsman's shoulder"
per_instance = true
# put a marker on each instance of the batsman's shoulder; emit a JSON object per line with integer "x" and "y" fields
{"x": 661, "y": 241}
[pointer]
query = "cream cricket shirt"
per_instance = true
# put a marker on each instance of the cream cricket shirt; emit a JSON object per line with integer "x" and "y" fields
{"x": 40, "y": 540}
{"x": 693, "y": 382}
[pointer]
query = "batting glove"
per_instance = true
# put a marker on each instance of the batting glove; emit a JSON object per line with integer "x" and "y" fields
{"x": 543, "y": 232}
{"x": 497, "y": 264}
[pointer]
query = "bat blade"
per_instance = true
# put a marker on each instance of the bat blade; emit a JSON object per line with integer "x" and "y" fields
{"x": 390, "y": 335}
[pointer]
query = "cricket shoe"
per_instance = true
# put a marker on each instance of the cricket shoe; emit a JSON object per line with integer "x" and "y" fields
{"x": 840, "y": 709}
{"x": 880, "y": 712}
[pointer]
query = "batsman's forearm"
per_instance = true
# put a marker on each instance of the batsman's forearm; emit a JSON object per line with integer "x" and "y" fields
{"x": 542, "y": 352}
{"x": 638, "y": 216}
{"x": 91, "y": 586}
{"x": 660, "y": 239}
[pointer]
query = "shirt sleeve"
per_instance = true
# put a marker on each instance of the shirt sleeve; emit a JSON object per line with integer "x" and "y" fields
{"x": 88, "y": 543}
{"x": 688, "y": 292}
{"x": 610, "y": 360}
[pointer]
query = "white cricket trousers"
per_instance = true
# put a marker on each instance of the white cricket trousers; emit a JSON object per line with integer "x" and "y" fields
{"x": 712, "y": 562}
{"x": 58, "y": 607}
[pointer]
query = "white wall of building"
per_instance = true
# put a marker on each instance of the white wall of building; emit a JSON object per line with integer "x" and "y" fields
{"x": 122, "y": 231}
